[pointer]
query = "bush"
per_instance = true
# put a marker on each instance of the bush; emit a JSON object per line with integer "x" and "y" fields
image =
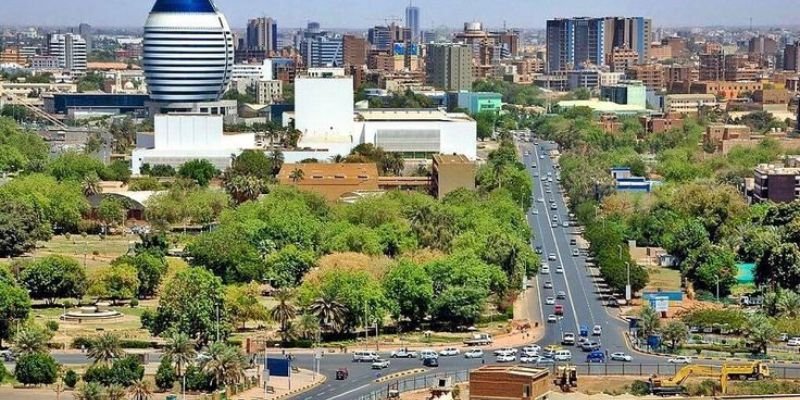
{"x": 70, "y": 378}
{"x": 68, "y": 304}
{"x": 81, "y": 343}
{"x": 51, "y": 325}
{"x": 199, "y": 381}
{"x": 99, "y": 374}
{"x": 640, "y": 388}
{"x": 86, "y": 226}
{"x": 3, "y": 372}
{"x": 137, "y": 344}
{"x": 123, "y": 372}
{"x": 55, "y": 345}
{"x": 704, "y": 388}
{"x": 165, "y": 375}
{"x": 36, "y": 369}
{"x": 134, "y": 303}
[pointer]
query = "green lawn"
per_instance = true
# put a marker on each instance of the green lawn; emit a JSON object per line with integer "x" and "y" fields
{"x": 666, "y": 279}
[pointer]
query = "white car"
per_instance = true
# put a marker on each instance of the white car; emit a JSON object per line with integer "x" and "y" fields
{"x": 474, "y": 353}
{"x": 563, "y": 355}
{"x": 404, "y": 353}
{"x": 534, "y": 348}
{"x": 553, "y": 206}
{"x": 795, "y": 341}
{"x": 551, "y": 257}
{"x": 428, "y": 354}
{"x": 550, "y": 301}
{"x": 620, "y": 356}
{"x": 597, "y": 330}
{"x": 449, "y": 352}
{"x": 552, "y": 318}
{"x": 545, "y": 269}
{"x": 565, "y": 224}
{"x": 575, "y": 253}
{"x": 680, "y": 360}
{"x": 540, "y": 199}
{"x": 561, "y": 295}
{"x": 505, "y": 351}
{"x": 559, "y": 270}
{"x": 541, "y": 156}
{"x": 506, "y": 358}
{"x": 380, "y": 364}
{"x": 528, "y": 359}
{"x": 545, "y": 361}
{"x": 535, "y": 212}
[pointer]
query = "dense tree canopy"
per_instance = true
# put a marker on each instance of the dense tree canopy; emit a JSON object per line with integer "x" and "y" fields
{"x": 54, "y": 277}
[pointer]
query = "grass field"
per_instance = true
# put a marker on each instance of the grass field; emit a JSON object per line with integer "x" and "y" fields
{"x": 666, "y": 279}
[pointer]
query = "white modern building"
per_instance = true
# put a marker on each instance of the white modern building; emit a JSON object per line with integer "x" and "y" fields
{"x": 179, "y": 138}
{"x": 253, "y": 72}
{"x": 69, "y": 51}
{"x": 269, "y": 91}
{"x": 188, "y": 51}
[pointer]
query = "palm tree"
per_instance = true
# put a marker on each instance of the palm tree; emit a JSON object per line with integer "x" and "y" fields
{"x": 649, "y": 321}
{"x": 225, "y": 364}
{"x": 91, "y": 185}
{"x": 181, "y": 349}
{"x": 337, "y": 159}
{"x": 329, "y": 312}
{"x": 789, "y": 304}
{"x": 242, "y": 188}
{"x": 115, "y": 392}
{"x": 771, "y": 301}
{"x": 31, "y": 340}
{"x": 105, "y": 349}
{"x": 276, "y": 160}
{"x": 284, "y": 311}
{"x": 88, "y": 391}
{"x": 297, "y": 175}
{"x": 760, "y": 331}
{"x": 289, "y": 333}
{"x": 308, "y": 326}
{"x": 140, "y": 390}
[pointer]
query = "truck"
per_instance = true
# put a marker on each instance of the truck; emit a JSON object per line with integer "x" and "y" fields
{"x": 479, "y": 339}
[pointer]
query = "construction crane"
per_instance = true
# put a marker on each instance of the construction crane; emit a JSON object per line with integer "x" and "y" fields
{"x": 751, "y": 371}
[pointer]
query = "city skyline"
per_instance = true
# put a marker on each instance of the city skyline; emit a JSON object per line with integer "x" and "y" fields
{"x": 451, "y": 13}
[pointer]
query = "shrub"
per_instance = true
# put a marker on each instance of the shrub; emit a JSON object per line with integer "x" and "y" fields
{"x": 704, "y": 388}
{"x": 36, "y": 369}
{"x": 136, "y": 344}
{"x": 81, "y": 343}
{"x": 89, "y": 227}
{"x": 640, "y": 388}
{"x": 3, "y": 372}
{"x": 134, "y": 303}
{"x": 98, "y": 373}
{"x": 165, "y": 375}
{"x": 199, "y": 381}
{"x": 95, "y": 253}
{"x": 55, "y": 345}
{"x": 68, "y": 304}
{"x": 70, "y": 378}
{"x": 51, "y": 325}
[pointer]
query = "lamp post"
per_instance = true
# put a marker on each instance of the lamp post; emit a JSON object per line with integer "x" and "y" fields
{"x": 628, "y": 270}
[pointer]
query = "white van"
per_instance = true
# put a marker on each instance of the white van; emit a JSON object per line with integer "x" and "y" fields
{"x": 563, "y": 355}
{"x": 365, "y": 356}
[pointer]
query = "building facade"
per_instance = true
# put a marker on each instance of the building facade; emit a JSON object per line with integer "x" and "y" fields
{"x": 449, "y": 67}
{"x": 574, "y": 42}
{"x": 626, "y": 92}
{"x": 776, "y": 184}
{"x": 412, "y": 22}
{"x": 262, "y": 35}
{"x": 70, "y": 50}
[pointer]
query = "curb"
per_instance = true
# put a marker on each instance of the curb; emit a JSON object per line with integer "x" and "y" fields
{"x": 400, "y": 375}
{"x": 736, "y": 359}
{"x": 301, "y": 389}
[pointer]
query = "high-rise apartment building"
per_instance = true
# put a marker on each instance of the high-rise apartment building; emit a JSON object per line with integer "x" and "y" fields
{"x": 791, "y": 57}
{"x": 577, "y": 42}
{"x": 355, "y": 50}
{"x": 262, "y": 35}
{"x": 70, "y": 49}
{"x": 85, "y": 30}
{"x": 383, "y": 37}
{"x": 763, "y": 45}
{"x": 449, "y": 66}
{"x": 412, "y": 22}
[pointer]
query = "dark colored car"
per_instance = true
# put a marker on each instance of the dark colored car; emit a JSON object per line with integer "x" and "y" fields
{"x": 430, "y": 362}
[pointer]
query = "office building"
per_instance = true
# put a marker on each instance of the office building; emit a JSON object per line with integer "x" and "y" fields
{"x": 268, "y": 91}
{"x": 85, "y": 30}
{"x": 261, "y": 71}
{"x": 355, "y": 49}
{"x": 652, "y": 75}
{"x": 592, "y": 78}
{"x": 791, "y": 57}
{"x": 631, "y": 33}
{"x": 776, "y": 184}
{"x": 625, "y": 92}
{"x": 688, "y": 103}
{"x": 412, "y": 22}
{"x": 70, "y": 50}
{"x": 450, "y": 173}
{"x": 477, "y": 102}
{"x": 322, "y": 50}
{"x": 331, "y": 181}
{"x": 188, "y": 51}
{"x": 382, "y": 38}
{"x": 762, "y": 45}
{"x": 262, "y": 35}
{"x": 324, "y": 105}
{"x": 620, "y": 59}
{"x": 449, "y": 66}
{"x": 12, "y": 55}
{"x": 576, "y": 42}
{"x": 75, "y": 106}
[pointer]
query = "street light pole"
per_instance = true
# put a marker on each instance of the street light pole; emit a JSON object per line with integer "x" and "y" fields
{"x": 628, "y": 268}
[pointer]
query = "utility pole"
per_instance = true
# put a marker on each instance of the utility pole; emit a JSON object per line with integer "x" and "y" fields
{"x": 216, "y": 307}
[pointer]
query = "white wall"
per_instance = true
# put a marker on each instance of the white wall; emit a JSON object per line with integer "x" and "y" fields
{"x": 187, "y": 131}
{"x": 459, "y": 137}
{"x": 324, "y": 107}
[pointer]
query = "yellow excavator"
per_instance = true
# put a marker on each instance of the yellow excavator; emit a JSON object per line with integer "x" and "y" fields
{"x": 566, "y": 377}
{"x": 756, "y": 370}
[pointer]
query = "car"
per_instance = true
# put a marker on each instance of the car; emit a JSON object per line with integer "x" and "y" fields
{"x": 200, "y": 357}
{"x": 533, "y": 165}
{"x": 554, "y": 225}
{"x": 365, "y": 356}
{"x": 680, "y": 360}
{"x": 528, "y": 359}
{"x": 403, "y": 353}
{"x": 576, "y": 252}
{"x": 555, "y": 217}
{"x": 545, "y": 361}
{"x": 428, "y": 354}
{"x": 538, "y": 249}
{"x": 474, "y": 353}
{"x": 565, "y": 224}
{"x": 561, "y": 295}
{"x": 597, "y": 330}
{"x": 548, "y": 191}
{"x": 550, "y": 180}
{"x": 534, "y": 348}
{"x": 552, "y": 257}
{"x": 380, "y": 364}
{"x": 506, "y": 358}
{"x": 450, "y": 352}
{"x": 541, "y": 156}
{"x": 795, "y": 341}
{"x": 7, "y": 355}
{"x": 527, "y": 154}
{"x": 596, "y": 356}
{"x": 545, "y": 269}
{"x": 563, "y": 355}
{"x": 620, "y": 356}
{"x": 548, "y": 285}
{"x": 535, "y": 212}
{"x": 559, "y": 270}
{"x": 505, "y": 351}
{"x": 590, "y": 346}
{"x": 430, "y": 362}
{"x": 553, "y": 206}
{"x": 568, "y": 339}
{"x": 582, "y": 340}
{"x": 558, "y": 309}
{"x": 550, "y": 301}
{"x": 540, "y": 199}
{"x": 544, "y": 179}
{"x": 342, "y": 374}
{"x": 552, "y": 318}
{"x": 583, "y": 331}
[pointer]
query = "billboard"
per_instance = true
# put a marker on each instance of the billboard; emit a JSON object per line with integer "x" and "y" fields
{"x": 278, "y": 366}
{"x": 406, "y": 49}
{"x": 659, "y": 303}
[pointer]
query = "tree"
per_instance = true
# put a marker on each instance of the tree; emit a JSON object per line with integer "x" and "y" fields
{"x": 459, "y": 305}
{"x": 57, "y": 206}
{"x": 276, "y": 160}
{"x": 150, "y": 269}
{"x": 190, "y": 304}
{"x": 410, "y": 289}
{"x": 296, "y": 175}
{"x": 72, "y": 165}
{"x": 31, "y": 339}
{"x": 119, "y": 282}
{"x": 243, "y": 188}
{"x": 225, "y": 364}
{"x": 760, "y": 332}
{"x": 91, "y": 185}
{"x": 289, "y": 264}
{"x": 15, "y": 305}
{"x": 71, "y": 378}
{"x": 649, "y": 321}
{"x": 115, "y": 392}
{"x": 105, "y": 348}
{"x": 200, "y": 171}
{"x": 165, "y": 374}
{"x": 789, "y": 304}
{"x": 284, "y": 311}
{"x": 89, "y": 391}
{"x": 111, "y": 212}
{"x": 309, "y": 327}
{"x": 140, "y": 390}
{"x": 242, "y": 303}
{"x": 690, "y": 234}
{"x": 36, "y": 369}
{"x": 675, "y": 332}
{"x": 779, "y": 267}
{"x": 54, "y": 277}
{"x": 20, "y": 227}
{"x": 253, "y": 163}
{"x": 711, "y": 267}
{"x": 329, "y": 312}
{"x": 180, "y": 350}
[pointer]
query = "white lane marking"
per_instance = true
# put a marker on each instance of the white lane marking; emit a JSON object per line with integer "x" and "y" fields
{"x": 349, "y": 391}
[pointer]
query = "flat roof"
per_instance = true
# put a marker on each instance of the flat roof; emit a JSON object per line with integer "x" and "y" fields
{"x": 517, "y": 370}
{"x": 409, "y": 114}
{"x": 770, "y": 169}
{"x": 602, "y": 106}
{"x": 451, "y": 159}
{"x": 330, "y": 170}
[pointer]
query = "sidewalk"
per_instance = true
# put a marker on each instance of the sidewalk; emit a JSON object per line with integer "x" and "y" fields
{"x": 301, "y": 382}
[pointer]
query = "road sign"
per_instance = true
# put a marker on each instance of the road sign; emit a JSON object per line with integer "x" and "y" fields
{"x": 659, "y": 303}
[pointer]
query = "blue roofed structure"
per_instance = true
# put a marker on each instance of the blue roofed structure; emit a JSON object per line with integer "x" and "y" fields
{"x": 198, "y": 6}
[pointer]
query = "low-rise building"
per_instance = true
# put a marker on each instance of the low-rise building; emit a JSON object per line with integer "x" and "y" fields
{"x": 269, "y": 91}
{"x": 688, "y": 103}
{"x": 477, "y": 102}
{"x": 331, "y": 181}
{"x": 652, "y": 75}
{"x": 775, "y": 183}
{"x": 76, "y": 106}
{"x": 660, "y": 124}
{"x": 625, "y": 92}
{"x": 605, "y": 107}
{"x": 450, "y": 173}
{"x": 509, "y": 383}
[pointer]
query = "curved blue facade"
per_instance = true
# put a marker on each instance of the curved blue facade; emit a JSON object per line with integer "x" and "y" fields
{"x": 186, "y": 6}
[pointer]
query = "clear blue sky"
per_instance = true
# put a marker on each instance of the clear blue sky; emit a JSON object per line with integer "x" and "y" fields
{"x": 364, "y": 13}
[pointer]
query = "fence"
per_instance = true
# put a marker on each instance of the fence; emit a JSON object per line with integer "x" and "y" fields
{"x": 416, "y": 383}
